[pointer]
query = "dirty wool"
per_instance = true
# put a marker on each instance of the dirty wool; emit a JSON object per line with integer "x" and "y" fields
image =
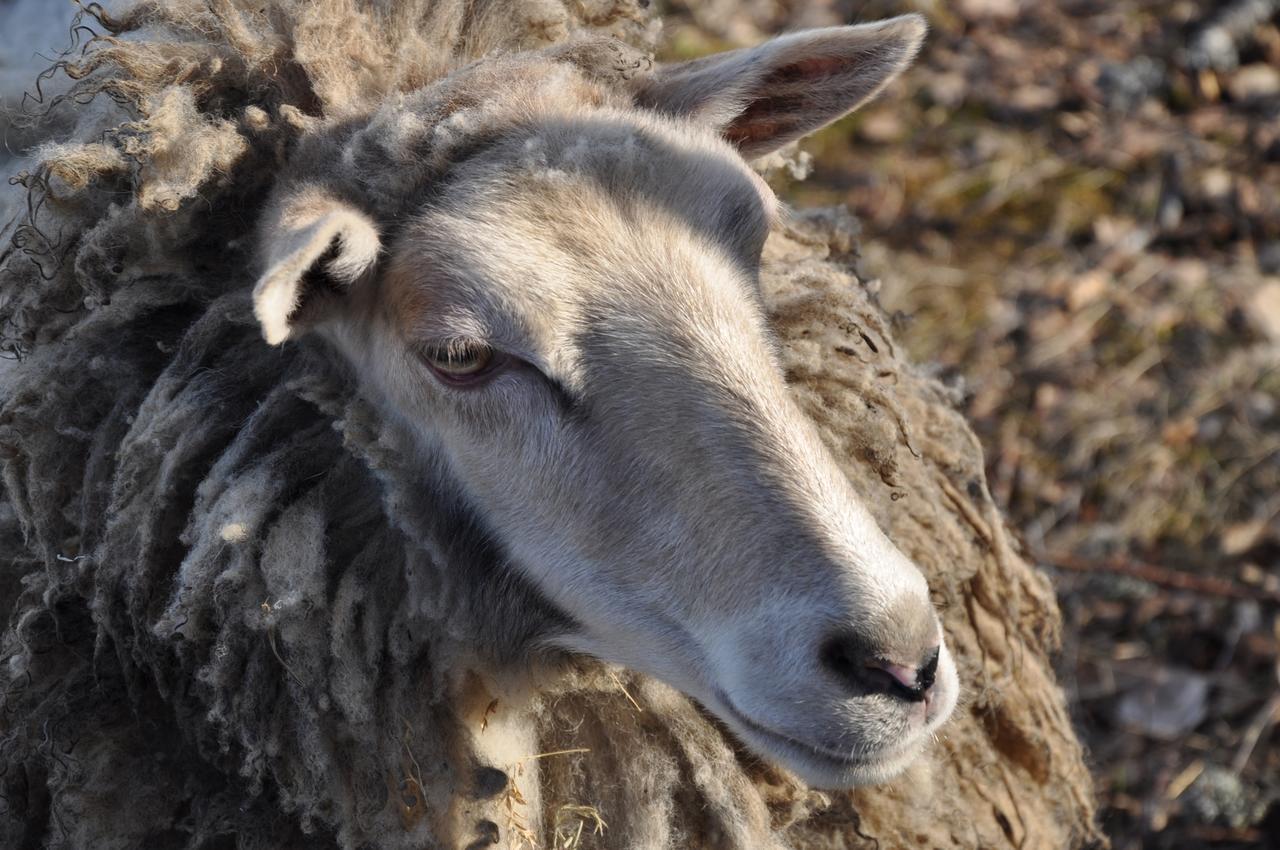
{"x": 231, "y": 621}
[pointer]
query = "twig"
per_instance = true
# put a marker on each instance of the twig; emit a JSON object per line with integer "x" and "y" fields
{"x": 1163, "y": 576}
{"x": 1183, "y": 780}
{"x": 271, "y": 640}
{"x": 1261, "y": 721}
{"x": 519, "y": 835}
{"x": 556, "y": 753}
{"x": 625, "y": 692}
{"x": 569, "y": 836}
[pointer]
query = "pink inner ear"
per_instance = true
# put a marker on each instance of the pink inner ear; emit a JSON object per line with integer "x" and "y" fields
{"x": 748, "y": 129}
{"x": 808, "y": 69}
{"x": 780, "y": 111}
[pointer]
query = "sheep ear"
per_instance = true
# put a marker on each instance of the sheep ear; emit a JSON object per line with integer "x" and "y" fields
{"x": 761, "y": 98}
{"x": 314, "y": 249}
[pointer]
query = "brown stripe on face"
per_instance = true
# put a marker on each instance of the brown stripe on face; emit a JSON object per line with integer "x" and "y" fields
{"x": 407, "y": 294}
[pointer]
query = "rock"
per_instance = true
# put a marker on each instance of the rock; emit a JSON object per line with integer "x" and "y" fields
{"x": 1213, "y": 48}
{"x": 1216, "y": 183}
{"x": 1167, "y": 707}
{"x": 1034, "y": 98}
{"x": 882, "y": 127}
{"x": 1124, "y": 86}
{"x": 1269, "y": 257}
{"x": 979, "y": 9}
{"x": 947, "y": 89}
{"x": 1254, "y": 82}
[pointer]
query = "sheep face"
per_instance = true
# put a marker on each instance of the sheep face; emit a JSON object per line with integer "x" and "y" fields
{"x": 570, "y": 323}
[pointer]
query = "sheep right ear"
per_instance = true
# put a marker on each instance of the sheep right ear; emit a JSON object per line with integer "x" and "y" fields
{"x": 761, "y": 98}
{"x": 315, "y": 247}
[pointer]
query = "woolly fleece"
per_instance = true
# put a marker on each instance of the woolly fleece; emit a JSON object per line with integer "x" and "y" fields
{"x": 231, "y": 623}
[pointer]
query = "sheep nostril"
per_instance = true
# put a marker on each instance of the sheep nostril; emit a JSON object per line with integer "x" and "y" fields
{"x": 897, "y": 679}
{"x": 928, "y": 670}
{"x": 908, "y": 677}
{"x": 864, "y": 672}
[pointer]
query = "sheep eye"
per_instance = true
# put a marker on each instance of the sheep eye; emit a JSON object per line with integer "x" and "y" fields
{"x": 460, "y": 361}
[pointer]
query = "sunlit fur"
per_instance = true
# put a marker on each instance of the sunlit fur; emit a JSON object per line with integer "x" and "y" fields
{"x": 641, "y": 460}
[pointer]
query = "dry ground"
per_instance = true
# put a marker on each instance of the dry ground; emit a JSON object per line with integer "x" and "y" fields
{"x": 1075, "y": 211}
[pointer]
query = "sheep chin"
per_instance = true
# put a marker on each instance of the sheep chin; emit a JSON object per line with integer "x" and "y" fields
{"x": 818, "y": 767}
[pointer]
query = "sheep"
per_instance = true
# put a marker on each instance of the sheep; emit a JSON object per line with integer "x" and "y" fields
{"x": 351, "y": 590}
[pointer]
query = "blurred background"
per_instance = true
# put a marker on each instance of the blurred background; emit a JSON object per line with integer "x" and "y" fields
{"x": 1074, "y": 210}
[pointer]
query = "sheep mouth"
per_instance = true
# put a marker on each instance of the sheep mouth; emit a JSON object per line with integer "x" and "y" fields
{"x": 853, "y": 764}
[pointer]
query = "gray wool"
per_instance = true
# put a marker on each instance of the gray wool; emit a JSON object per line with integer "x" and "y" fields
{"x": 235, "y": 619}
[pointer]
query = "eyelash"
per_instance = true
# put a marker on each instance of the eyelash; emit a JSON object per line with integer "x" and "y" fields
{"x": 462, "y": 363}
{"x": 434, "y": 354}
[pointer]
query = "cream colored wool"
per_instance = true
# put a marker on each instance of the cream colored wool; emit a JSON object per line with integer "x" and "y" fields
{"x": 233, "y": 624}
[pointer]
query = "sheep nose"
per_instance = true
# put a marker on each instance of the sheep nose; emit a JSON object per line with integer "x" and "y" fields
{"x": 864, "y": 672}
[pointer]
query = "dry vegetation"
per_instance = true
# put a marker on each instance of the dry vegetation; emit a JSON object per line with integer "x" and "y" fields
{"x": 1075, "y": 210}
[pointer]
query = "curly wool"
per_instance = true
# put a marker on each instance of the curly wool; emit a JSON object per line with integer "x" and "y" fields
{"x": 233, "y": 623}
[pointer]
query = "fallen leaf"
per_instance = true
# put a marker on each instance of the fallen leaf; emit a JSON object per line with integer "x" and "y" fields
{"x": 1241, "y": 537}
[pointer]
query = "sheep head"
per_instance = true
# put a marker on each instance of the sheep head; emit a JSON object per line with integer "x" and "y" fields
{"x": 546, "y": 267}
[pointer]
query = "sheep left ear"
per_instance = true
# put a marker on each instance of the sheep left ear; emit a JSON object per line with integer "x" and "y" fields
{"x": 314, "y": 249}
{"x": 761, "y": 98}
